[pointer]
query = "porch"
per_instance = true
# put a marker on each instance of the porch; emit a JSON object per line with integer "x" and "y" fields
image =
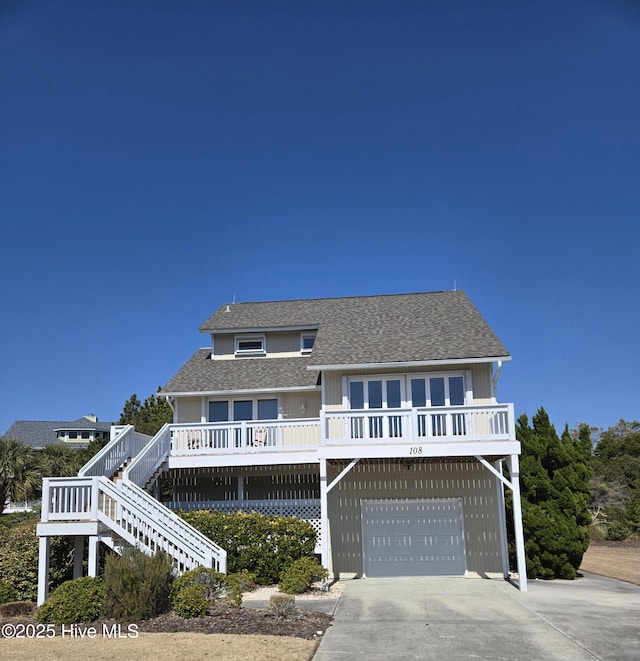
{"x": 372, "y": 427}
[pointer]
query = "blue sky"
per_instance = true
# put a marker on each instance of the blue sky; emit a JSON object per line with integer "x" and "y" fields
{"x": 158, "y": 159}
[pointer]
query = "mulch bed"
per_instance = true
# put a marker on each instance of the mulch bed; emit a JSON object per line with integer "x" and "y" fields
{"x": 222, "y": 619}
{"x": 299, "y": 624}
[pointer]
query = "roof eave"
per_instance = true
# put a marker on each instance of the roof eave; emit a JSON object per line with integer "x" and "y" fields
{"x": 409, "y": 363}
{"x": 246, "y": 391}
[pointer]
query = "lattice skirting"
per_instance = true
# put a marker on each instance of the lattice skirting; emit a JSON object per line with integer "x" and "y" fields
{"x": 307, "y": 510}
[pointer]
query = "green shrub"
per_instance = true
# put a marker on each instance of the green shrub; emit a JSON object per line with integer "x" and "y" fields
{"x": 7, "y": 592}
{"x": 263, "y": 545}
{"x": 213, "y": 585}
{"x": 137, "y": 585}
{"x": 18, "y": 609}
{"x": 300, "y": 574}
{"x": 617, "y": 532}
{"x": 73, "y": 602}
{"x": 190, "y": 601}
{"x": 19, "y": 559}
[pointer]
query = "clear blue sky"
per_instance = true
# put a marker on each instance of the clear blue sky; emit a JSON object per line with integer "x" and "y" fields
{"x": 158, "y": 159}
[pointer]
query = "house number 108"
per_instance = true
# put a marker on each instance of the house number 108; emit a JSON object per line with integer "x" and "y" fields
{"x": 415, "y": 450}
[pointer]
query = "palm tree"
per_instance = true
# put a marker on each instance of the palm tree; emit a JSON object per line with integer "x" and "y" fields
{"x": 19, "y": 477}
{"x": 57, "y": 461}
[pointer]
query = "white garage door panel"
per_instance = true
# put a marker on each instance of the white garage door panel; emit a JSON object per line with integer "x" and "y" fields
{"x": 413, "y": 538}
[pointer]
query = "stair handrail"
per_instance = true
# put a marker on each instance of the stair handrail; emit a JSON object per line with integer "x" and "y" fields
{"x": 180, "y": 533}
{"x": 147, "y": 462}
{"x": 158, "y": 512}
{"x": 126, "y": 443}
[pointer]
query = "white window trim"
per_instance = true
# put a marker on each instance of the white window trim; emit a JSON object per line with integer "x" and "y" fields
{"x": 238, "y": 339}
{"x": 378, "y": 377}
{"x": 254, "y": 404}
{"x": 304, "y": 336}
{"x": 405, "y": 387}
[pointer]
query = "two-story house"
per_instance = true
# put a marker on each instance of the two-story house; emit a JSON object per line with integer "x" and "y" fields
{"x": 375, "y": 418}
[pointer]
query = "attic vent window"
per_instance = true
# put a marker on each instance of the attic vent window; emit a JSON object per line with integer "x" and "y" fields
{"x": 307, "y": 341}
{"x": 253, "y": 345}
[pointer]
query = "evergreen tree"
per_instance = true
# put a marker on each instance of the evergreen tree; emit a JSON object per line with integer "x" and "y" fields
{"x": 615, "y": 489}
{"x": 147, "y": 418}
{"x": 554, "y": 473}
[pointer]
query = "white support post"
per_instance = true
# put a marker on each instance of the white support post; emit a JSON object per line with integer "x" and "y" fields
{"x": 43, "y": 569}
{"x": 240, "y": 488}
{"x": 92, "y": 569}
{"x": 502, "y": 522}
{"x": 324, "y": 516}
{"x": 78, "y": 556}
{"x": 514, "y": 471}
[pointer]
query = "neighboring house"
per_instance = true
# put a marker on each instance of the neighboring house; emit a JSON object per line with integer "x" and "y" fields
{"x": 375, "y": 418}
{"x": 37, "y": 434}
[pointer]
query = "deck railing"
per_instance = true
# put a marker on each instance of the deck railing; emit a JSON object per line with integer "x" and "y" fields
{"x": 442, "y": 424}
{"x": 131, "y": 514}
{"x": 245, "y": 437}
{"x": 494, "y": 422}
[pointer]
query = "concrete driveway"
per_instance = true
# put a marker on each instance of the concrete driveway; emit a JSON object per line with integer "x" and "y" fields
{"x": 431, "y": 618}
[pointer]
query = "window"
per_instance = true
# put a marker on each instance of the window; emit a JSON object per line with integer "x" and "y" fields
{"x": 376, "y": 393}
{"x": 250, "y": 345}
{"x": 243, "y": 409}
{"x": 307, "y": 340}
{"x": 437, "y": 391}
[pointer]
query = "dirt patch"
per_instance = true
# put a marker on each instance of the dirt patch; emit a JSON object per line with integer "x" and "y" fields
{"x": 620, "y": 560}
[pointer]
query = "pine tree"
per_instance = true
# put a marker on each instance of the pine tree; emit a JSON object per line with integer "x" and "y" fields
{"x": 147, "y": 418}
{"x": 555, "y": 473}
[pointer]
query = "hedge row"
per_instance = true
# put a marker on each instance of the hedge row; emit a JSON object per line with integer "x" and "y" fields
{"x": 262, "y": 545}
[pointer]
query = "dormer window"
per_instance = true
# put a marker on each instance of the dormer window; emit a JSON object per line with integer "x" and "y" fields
{"x": 307, "y": 341}
{"x": 250, "y": 345}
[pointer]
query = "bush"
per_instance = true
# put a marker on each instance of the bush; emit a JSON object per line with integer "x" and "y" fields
{"x": 190, "y": 601}
{"x": 263, "y": 545}
{"x": 18, "y": 609}
{"x": 74, "y": 602}
{"x": 617, "y": 532}
{"x": 282, "y": 605}
{"x": 300, "y": 575}
{"x": 19, "y": 559}
{"x": 7, "y": 592}
{"x": 212, "y": 584}
{"x": 137, "y": 585}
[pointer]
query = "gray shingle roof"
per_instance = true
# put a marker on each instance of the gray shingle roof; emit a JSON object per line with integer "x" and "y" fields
{"x": 359, "y": 330}
{"x": 201, "y": 374}
{"x": 40, "y": 433}
{"x": 374, "y": 329}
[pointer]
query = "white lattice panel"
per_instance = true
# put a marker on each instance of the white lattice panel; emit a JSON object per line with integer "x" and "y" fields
{"x": 307, "y": 510}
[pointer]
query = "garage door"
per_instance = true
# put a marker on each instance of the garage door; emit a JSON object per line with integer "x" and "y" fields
{"x": 413, "y": 538}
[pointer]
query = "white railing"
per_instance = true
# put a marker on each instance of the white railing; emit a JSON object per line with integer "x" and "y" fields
{"x": 127, "y": 442}
{"x": 147, "y": 462}
{"x": 244, "y": 437}
{"x": 133, "y": 515}
{"x": 454, "y": 423}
